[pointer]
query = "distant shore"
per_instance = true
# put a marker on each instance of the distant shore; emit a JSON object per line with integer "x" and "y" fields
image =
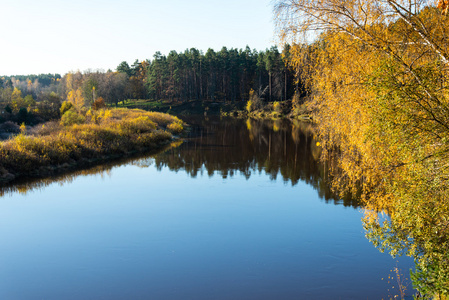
{"x": 269, "y": 110}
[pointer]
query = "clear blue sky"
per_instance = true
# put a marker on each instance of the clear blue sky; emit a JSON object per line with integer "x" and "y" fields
{"x": 57, "y": 36}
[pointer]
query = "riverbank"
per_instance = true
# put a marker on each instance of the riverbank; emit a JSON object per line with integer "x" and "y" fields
{"x": 52, "y": 148}
{"x": 273, "y": 111}
{"x": 184, "y": 108}
{"x": 270, "y": 110}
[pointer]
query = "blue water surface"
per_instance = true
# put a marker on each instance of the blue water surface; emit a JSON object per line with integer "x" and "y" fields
{"x": 147, "y": 232}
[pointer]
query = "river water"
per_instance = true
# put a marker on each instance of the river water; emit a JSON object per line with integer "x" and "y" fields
{"x": 240, "y": 210}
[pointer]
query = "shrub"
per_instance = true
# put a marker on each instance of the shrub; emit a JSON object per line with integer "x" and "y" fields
{"x": 9, "y": 126}
{"x": 277, "y": 107}
{"x": 47, "y": 110}
{"x": 175, "y": 127}
{"x": 98, "y": 104}
{"x": 71, "y": 117}
{"x": 65, "y": 107}
{"x": 249, "y": 106}
{"x": 299, "y": 107}
{"x": 137, "y": 125}
{"x": 52, "y": 127}
{"x": 254, "y": 102}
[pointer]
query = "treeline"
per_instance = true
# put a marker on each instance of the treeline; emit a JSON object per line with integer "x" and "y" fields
{"x": 31, "y": 98}
{"x": 224, "y": 76}
{"x": 44, "y": 80}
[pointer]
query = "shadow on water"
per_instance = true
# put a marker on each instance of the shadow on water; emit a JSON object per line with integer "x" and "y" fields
{"x": 25, "y": 185}
{"x": 226, "y": 146}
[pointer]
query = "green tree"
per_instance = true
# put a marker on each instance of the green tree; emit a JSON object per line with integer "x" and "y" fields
{"x": 124, "y": 67}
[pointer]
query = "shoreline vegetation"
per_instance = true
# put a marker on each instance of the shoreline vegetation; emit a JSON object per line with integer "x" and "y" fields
{"x": 377, "y": 77}
{"x": 287, "y": 109}
{"x": 83, "y": 140}
{"x": 185, "y": 83}
{"x": 78, "y": 119}
{"x": 68, "y": 174}
{"x": 180, "y": 83}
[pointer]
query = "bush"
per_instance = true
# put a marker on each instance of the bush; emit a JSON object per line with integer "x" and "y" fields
{"x": 299, "y": 108}
{"x": 277, "y": 107}
{"x": 9, "y": 126}
{"x": 71, "y": 117}
{"x": 175, "y": 127}
{"x": 98, "y": 104}
{"x": 249, "y": 106}
{"x": 47, "y": 110}
{"x": 254, "y": 102}
{"x": 66, "y": 106}
{"x": 137, "y": 125}
{"x": 49, "y": 128}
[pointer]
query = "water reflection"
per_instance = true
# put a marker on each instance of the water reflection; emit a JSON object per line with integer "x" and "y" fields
{"x": 151, "y": 231}
{"x": 104, "y": 169}
{"x": 279, "y": 148}
{"x": 228, "y": 146}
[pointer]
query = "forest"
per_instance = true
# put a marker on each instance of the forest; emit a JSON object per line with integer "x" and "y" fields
{"x": 226, "y": 76}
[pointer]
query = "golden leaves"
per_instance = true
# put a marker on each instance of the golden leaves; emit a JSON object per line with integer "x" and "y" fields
{"x": 379, "y": 88}
{"x": 444, "y": 6}
{"x": 76, "y": 98}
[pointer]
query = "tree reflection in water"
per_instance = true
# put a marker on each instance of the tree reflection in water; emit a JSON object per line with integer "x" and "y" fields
{"x": 227, "y": 147}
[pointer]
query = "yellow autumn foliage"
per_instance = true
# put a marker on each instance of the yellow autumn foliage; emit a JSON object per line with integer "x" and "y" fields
{"x": 377, "y": 77}
{"x": 115, "y": 132}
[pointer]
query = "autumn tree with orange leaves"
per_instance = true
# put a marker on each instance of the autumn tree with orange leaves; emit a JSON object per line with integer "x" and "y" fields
{"x": 377, "y": 74}
{"x": 443, "y": 5}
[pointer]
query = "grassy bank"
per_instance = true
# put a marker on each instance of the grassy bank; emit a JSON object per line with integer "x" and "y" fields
{"x": 255, "y": 109}
{"x": 185, "y": 108}
{"x": 104, "y": 134}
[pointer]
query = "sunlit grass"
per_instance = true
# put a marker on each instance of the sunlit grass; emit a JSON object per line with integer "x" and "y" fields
{"x": 106, "y": 133}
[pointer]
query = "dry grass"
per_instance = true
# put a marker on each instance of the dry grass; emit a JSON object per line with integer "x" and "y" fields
{"x": 106, "y": 133}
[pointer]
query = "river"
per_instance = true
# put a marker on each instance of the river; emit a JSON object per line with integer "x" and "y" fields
{"x": 239, "y": 210}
